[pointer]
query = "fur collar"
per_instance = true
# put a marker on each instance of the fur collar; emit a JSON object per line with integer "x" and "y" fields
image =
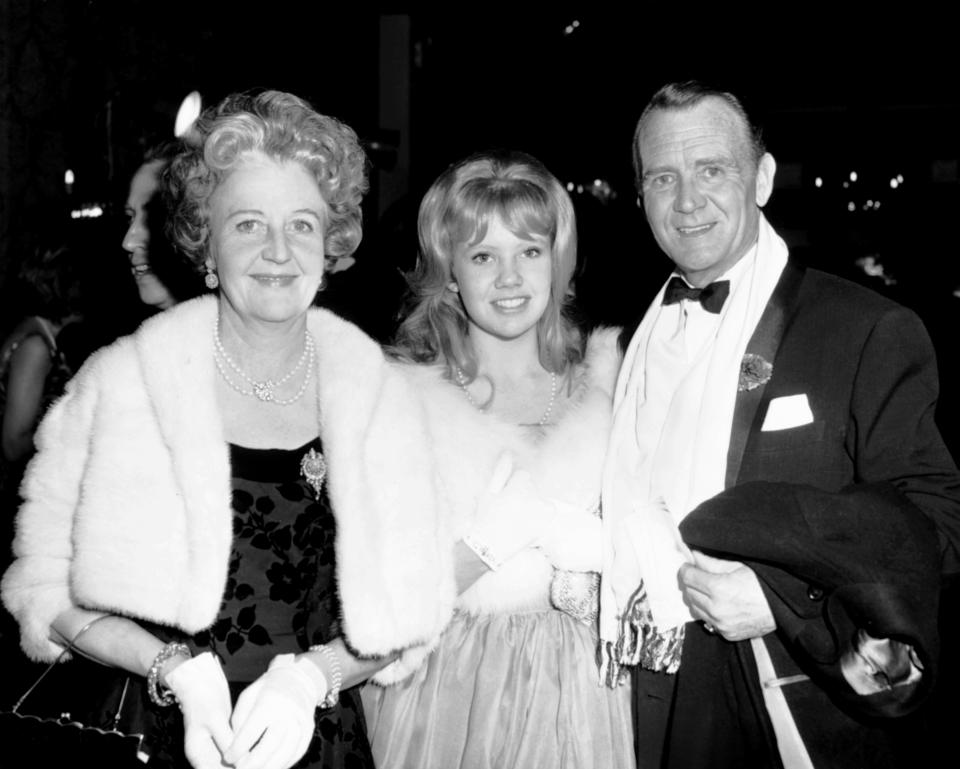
{"x": 565, "y": 463}
{"x": 128, "y": 499}
{"x": 379, "y": 481}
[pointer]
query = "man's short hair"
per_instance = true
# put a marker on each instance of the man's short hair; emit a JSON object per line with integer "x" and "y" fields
{"x": 685, "y": 95}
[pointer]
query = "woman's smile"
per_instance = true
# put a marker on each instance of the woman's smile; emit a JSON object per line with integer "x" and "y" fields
{"x": 511, "y": 304}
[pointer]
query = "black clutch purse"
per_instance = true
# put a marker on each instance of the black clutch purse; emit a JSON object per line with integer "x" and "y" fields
{"x": 95, "y": 723}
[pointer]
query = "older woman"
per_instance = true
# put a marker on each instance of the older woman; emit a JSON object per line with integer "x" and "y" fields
{"x": 192, "y": 480}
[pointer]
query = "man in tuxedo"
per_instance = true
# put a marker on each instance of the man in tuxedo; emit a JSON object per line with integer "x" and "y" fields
{"x": 779, "y": 506}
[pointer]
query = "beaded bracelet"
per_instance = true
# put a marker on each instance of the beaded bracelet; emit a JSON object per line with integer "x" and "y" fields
{"x": 333, "y": 693}
{"x": 153, "y": 675}
{"x": 483, "y": 552}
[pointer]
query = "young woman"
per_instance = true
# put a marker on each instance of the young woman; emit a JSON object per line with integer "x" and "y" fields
{"x": 518, "y": 410}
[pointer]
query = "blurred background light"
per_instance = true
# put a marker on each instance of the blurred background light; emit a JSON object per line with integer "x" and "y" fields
{"x": 187, "y": 115}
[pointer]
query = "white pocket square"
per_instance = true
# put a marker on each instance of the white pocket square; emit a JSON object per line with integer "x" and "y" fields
{"x": 786, "y": 412}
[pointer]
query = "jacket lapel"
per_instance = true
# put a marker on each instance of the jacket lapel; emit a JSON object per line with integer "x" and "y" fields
{"x": 764, "y": 344}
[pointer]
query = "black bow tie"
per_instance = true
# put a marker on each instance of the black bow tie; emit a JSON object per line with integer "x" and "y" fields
{"x": 711, "y": 297}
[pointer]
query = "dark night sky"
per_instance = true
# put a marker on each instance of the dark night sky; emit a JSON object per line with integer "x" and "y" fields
{"x": 833, "y": 94}
{"x": 826, "y": 88}
{"x": 89, "y": 82}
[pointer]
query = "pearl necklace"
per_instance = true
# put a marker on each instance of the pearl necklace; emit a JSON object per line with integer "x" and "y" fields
{"x": 462, "y": 381}
{"x": 265, "y": 390}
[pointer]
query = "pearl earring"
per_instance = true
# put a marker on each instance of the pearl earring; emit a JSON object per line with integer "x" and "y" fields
{"x": 211, "y": 280}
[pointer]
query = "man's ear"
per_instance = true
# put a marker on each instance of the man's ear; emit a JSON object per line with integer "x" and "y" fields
{"x": 766, "y": 170}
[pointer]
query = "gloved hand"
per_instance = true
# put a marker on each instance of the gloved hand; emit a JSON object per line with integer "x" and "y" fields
{"x": 274, "y": 716}
{"x": 511, "y": 515}
{"x": 574, "y": 541}
{"x": 204, "y": 697}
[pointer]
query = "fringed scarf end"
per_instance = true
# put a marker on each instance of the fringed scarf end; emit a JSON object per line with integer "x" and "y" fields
{"x": 639, "y": 642}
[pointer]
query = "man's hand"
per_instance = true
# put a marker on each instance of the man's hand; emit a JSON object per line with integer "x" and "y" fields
{"x": 727, "y": 596}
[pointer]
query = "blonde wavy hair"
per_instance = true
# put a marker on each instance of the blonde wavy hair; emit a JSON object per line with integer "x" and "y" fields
{"x": 457, "y": 209}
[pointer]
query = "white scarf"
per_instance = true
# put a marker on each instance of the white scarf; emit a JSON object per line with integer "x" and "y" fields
{"x": 642, "y": 541}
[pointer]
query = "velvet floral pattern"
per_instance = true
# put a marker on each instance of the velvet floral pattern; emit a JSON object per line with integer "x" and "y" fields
{"x": 281, "y": 591}
{"x": 300, "y": 555}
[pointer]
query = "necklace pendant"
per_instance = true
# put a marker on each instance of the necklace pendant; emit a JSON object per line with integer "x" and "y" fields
{"x": 263, "y": 390}
{"x": 313, "y": 467}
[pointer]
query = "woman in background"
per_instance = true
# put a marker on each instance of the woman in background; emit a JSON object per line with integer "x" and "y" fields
{"x": 37, "y": 358}
{"x": 518, "y": 405}
{"x": 162, "y": 276}
{"x": 33, "y": 367}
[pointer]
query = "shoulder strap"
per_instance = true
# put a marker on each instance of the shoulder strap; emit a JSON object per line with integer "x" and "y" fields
{"x": 69, "y": 647}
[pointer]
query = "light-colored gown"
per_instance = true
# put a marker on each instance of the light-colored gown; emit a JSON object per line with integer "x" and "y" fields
{"x": 513, "y": 680}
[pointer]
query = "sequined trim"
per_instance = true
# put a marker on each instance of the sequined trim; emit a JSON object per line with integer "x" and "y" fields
{"x": 483, "y": 552}
{"x": 576, "y": 593}
{"x": 639, "y": 642}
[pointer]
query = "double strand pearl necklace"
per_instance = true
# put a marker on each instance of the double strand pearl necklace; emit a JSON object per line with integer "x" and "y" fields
{"x": 462, "y": 381}
{"x": 265, "y": 390}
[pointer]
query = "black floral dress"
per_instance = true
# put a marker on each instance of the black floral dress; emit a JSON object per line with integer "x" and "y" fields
{"x": 281, "y": 595}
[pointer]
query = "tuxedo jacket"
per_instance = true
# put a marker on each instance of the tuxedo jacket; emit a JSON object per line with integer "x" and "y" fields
{"x": 867, "y": 371}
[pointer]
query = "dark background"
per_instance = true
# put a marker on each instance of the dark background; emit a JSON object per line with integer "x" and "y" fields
{"x": 86, "y": 85}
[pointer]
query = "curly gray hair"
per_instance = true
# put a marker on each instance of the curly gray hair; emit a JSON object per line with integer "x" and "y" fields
{"x": 283, "y": 127}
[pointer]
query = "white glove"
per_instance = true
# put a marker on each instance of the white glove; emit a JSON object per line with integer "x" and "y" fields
{"x": 274, "y": 716}
{"x": 511, "y": 515}
{"x": 204, "y": 696}
{"x": 574, "y": 541}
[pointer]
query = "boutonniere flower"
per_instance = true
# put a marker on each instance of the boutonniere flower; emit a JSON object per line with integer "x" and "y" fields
{"x": 755, "y": 370}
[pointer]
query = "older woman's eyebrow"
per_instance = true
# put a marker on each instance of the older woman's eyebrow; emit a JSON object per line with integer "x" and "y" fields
{"x": 258, "y": 212}
{"x": 313, "y": 211}
{"x": 245, "y": 212}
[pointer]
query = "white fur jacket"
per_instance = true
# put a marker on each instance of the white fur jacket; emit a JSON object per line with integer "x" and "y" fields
{"x": 566, "y": 465}
{"x": 127, "y": 501}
